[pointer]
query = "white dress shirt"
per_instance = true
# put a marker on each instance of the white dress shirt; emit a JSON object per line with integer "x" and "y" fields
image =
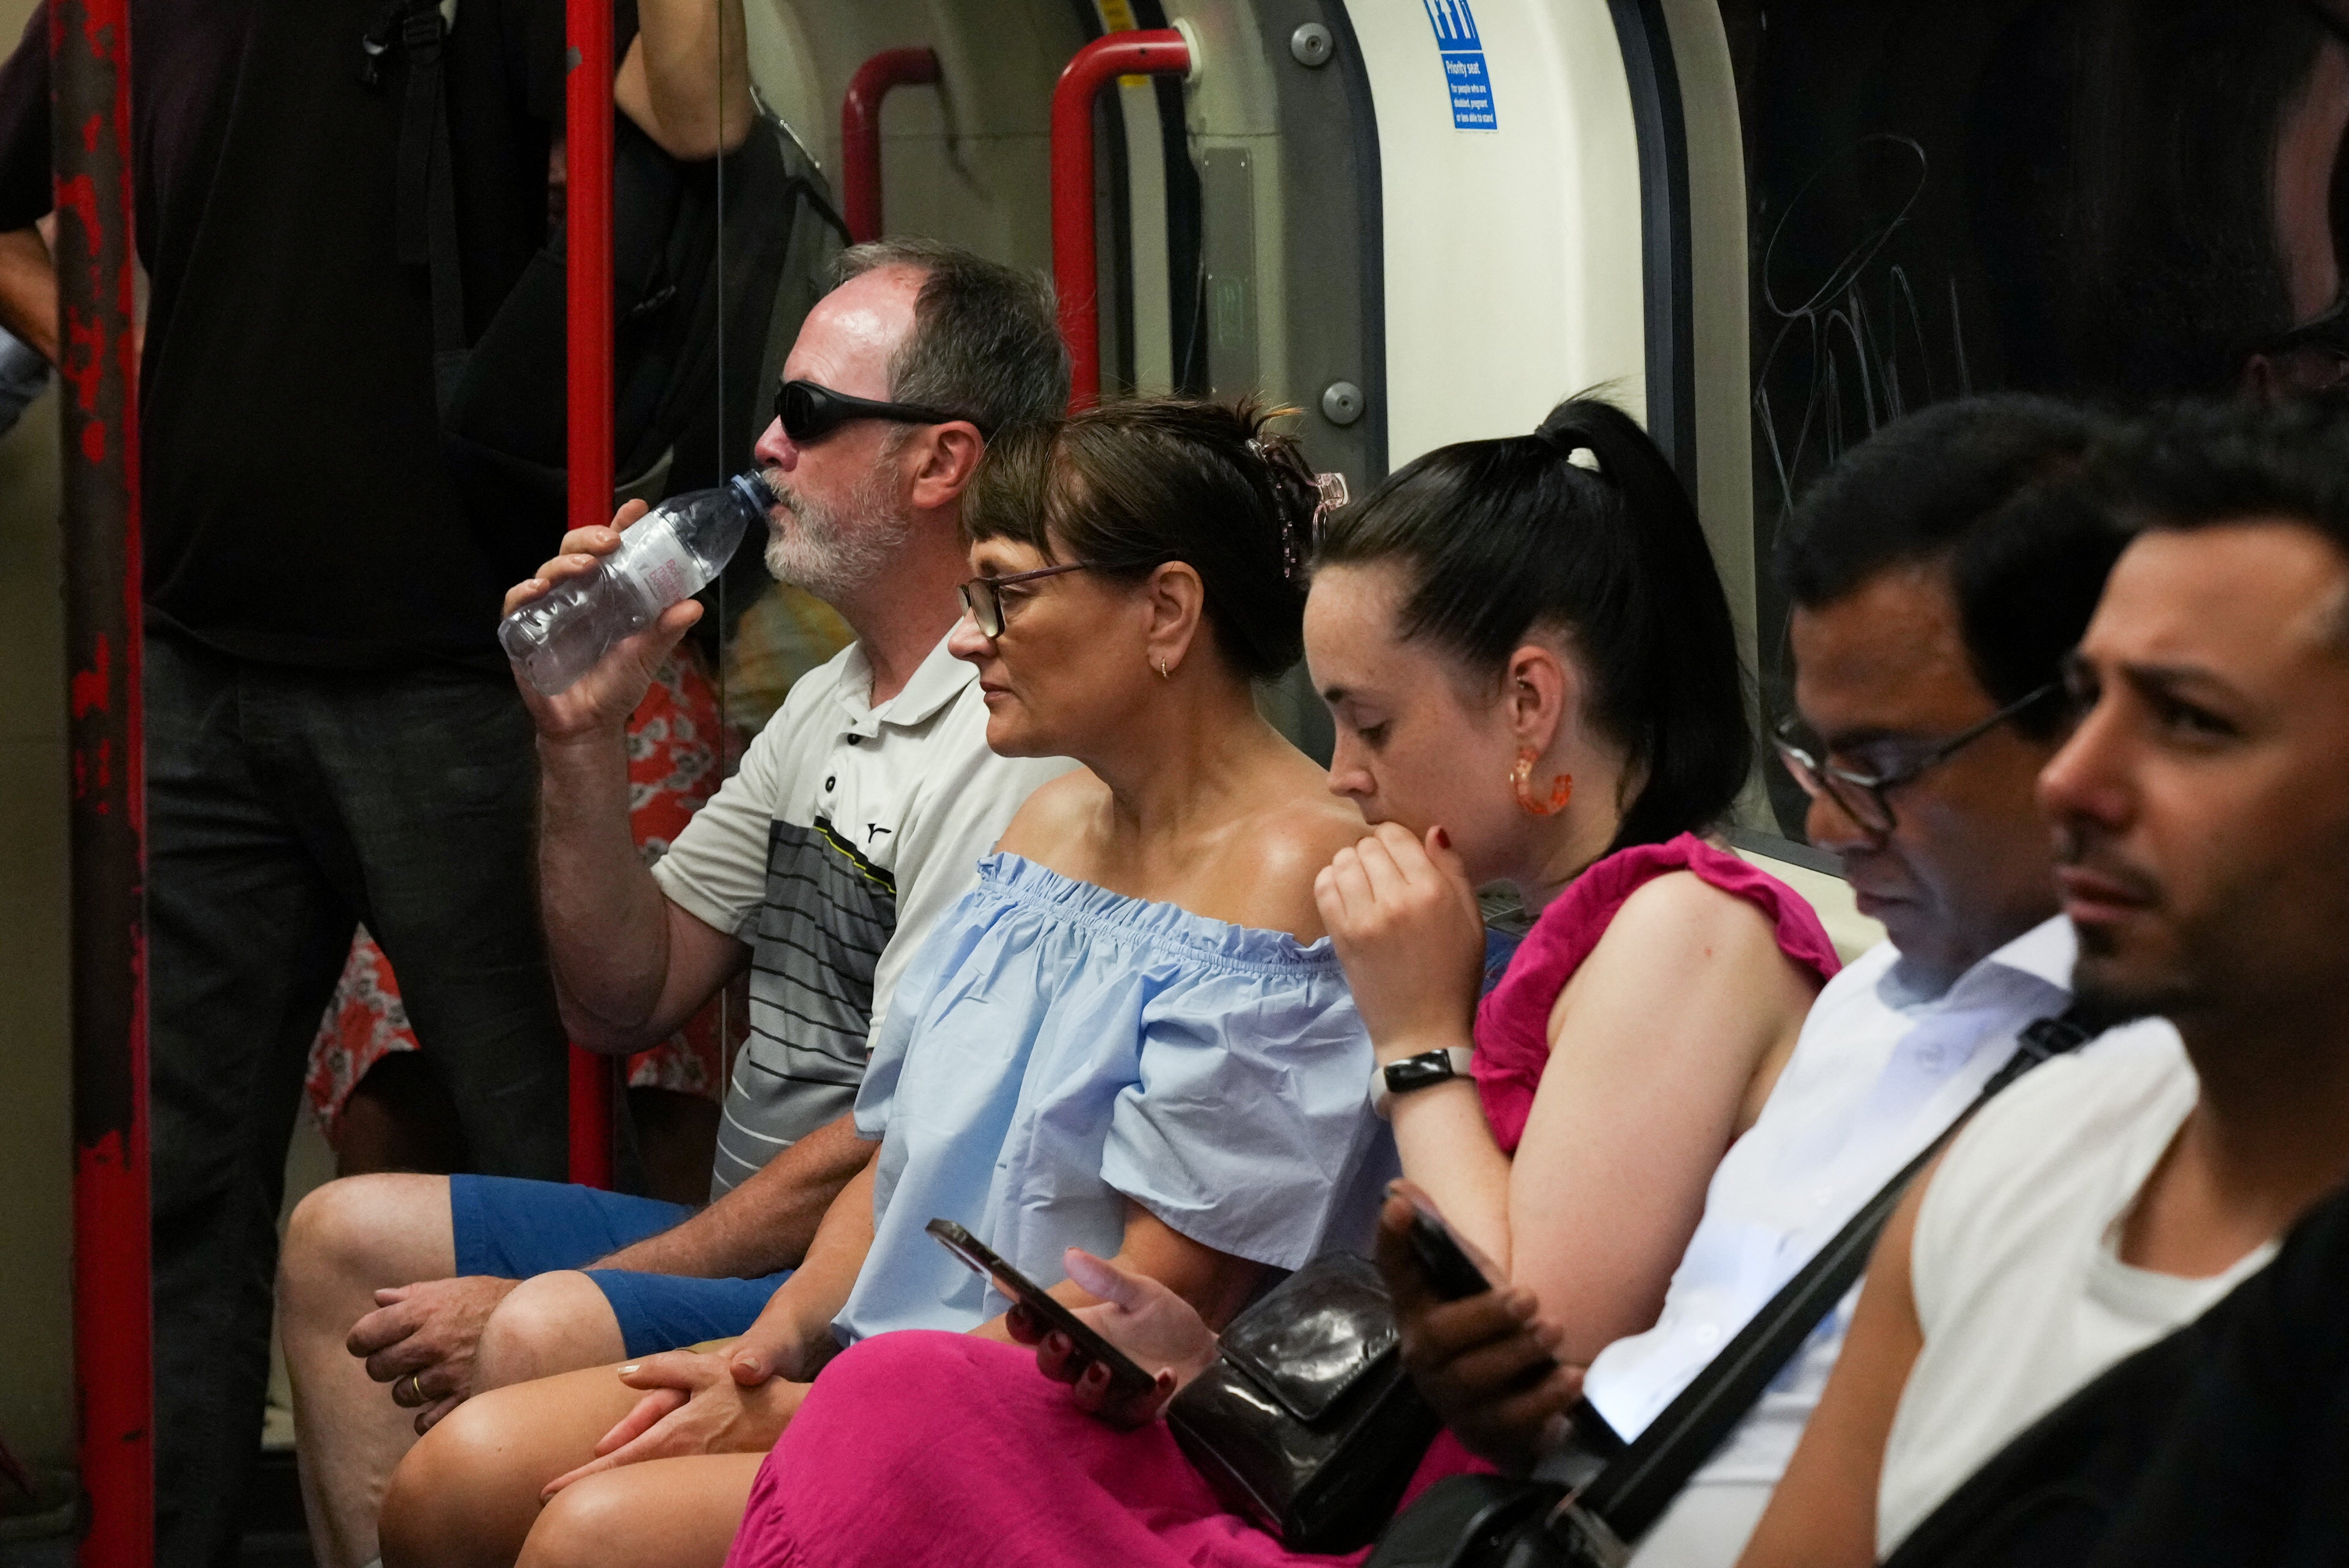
{"x": 1878, "y": 1071}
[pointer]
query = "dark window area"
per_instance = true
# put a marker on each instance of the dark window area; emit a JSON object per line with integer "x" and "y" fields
{"x": 2118, "y": 200}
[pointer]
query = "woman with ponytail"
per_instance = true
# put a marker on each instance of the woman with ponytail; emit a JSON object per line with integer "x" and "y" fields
{"x": 1131, "y": 1036}
{"x": 1530, "y": 663}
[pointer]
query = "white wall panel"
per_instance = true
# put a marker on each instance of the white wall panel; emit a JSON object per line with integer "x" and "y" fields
{"x": 1513, "y": 272}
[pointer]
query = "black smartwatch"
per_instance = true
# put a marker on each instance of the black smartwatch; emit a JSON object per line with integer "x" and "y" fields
{"x": 1424, "y": 1070}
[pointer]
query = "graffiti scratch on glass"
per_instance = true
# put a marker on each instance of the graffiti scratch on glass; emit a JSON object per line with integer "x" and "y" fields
{"x": 1852, "y": 334}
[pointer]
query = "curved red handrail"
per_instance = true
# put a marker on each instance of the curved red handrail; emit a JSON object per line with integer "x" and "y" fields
{"x": 1159, "y": 52}
{"x": 860, "y": 132}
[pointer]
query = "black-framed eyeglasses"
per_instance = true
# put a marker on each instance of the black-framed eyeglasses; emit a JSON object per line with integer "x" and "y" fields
{"x": 809, "y": 412}
{"x": 1863, "y": 797}
{"x": 983, "y": 596}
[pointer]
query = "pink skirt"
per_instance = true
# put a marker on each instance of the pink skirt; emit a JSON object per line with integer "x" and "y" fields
{"x": 944, "y": 1449}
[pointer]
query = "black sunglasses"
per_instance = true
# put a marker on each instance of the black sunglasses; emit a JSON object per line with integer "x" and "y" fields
{"x": 809, "y": 412}
{"x": 1864, "y": 798}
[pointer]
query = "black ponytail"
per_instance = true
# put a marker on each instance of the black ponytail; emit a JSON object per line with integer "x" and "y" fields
{"x": 1502, "y": 538}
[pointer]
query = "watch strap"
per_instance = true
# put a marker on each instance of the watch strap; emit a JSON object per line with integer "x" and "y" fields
{"x": 1424, "y": 1070}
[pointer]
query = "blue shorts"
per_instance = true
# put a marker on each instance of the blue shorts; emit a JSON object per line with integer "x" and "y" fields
{"x": 514, "y": 1229}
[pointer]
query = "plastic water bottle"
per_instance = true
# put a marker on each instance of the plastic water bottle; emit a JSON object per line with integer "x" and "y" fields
{"x": 666, "y": 555}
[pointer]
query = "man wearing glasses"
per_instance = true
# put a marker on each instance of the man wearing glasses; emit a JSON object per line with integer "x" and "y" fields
{"x": 1938, "y": 574}
{"x": 859, "y": 814}
{"x": 2200, "y": 816}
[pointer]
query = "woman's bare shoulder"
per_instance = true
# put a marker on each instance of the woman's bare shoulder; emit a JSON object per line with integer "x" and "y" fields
{"x": 1310, "y": 829}
{"x": 1053, "y": 815}
{"x": 1270, "y": 860}
{"x": 1680, "y": 919}
{"x": 1681, "y": 941}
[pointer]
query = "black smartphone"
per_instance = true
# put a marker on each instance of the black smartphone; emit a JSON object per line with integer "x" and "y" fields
{"x": 1125, "y": 1375}
{"x": 1455, "y": 1274}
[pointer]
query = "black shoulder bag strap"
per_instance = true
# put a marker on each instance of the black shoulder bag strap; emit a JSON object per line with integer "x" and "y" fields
{"x": 426, "y": 214}
{"x": 1639, "y": 1483}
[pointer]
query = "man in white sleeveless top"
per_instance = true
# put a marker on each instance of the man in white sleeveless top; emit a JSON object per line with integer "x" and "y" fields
{"x": 2202, "y": 813}
{"x": 1902, "y": 564}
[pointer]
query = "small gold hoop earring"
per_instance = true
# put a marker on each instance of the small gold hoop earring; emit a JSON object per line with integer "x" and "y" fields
{"x": 1165, "y": 673}
{"x": 1521, "y": 783}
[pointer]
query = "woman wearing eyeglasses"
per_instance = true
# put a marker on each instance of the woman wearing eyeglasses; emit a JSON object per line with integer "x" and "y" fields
{"x": 1131, "y": 1036}
{"x": 1534, "y": 679}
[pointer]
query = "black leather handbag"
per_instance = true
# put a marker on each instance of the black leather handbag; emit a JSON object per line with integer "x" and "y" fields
{"x": 1492, "y": 1522}
{"x": 1306, "y": 1422}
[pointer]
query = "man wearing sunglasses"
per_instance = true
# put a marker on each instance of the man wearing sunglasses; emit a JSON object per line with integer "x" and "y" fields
{"x": 859, "y": 814}
{"x": 1938, "y": 573}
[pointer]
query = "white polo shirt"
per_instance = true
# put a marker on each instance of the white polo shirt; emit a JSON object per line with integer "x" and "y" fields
{"x": 848, "y": 830}
{"x": 1878, "y": 1072}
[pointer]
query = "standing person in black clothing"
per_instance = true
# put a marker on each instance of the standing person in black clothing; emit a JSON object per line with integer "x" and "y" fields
{"x": 333, "y": 734}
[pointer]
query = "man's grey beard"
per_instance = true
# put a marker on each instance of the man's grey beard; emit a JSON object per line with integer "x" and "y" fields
{"x": 834, "y": 552}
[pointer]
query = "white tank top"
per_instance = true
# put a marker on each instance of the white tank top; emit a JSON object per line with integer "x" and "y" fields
{"x": 2020, "y": 1288}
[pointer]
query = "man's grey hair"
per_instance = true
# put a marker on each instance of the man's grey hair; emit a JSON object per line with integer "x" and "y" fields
{"x": 986, "y": 342}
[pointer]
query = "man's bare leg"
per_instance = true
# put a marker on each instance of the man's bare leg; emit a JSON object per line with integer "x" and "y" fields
{"x": 347, "y": 1240}
{"x": 551, "y": 1322}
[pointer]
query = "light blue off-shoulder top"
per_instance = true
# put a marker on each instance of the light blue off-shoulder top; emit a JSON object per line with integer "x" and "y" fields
{"x": 1056, "y": 1048}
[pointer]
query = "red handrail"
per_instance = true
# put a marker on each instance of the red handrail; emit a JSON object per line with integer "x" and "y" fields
{"x": 89, "y": 59}
{"x": 588, "y": 237}
{"x": 860, "y": 132}
{"x": 1159, "y": 52}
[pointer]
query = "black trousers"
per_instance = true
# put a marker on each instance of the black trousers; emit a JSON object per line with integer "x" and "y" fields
{"x": 283, "y": 807}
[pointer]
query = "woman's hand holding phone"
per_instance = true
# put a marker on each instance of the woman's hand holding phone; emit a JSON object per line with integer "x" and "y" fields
{"x": 1152, "y": 1324}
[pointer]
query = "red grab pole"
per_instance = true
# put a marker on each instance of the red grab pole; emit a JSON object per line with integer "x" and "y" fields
{"x": 587, "y": 240}
{"x": 89, "y": 61}
{"x": 1161, "y": 51}
{"x": 860, "y": 132}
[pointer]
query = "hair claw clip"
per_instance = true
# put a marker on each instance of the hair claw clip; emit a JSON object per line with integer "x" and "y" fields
{"x": 1332, "y": 488}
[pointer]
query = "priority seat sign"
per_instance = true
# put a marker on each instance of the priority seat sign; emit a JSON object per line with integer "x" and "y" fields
{"x": 1462, "y": 50}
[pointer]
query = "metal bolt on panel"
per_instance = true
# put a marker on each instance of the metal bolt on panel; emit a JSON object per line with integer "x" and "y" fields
{"x": 1341, "y": 403}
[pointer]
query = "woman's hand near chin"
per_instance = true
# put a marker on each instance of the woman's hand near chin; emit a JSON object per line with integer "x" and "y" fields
{"x": 1405, "y": 921}
{"x": 1154, "y": 1326}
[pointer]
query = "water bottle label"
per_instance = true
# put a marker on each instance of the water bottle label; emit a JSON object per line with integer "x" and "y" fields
{"x": 663, "y": 566}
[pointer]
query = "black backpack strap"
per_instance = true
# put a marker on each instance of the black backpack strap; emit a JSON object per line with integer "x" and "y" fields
{"x": 426, "y": 211}
{"x": 1639, "y": 1483}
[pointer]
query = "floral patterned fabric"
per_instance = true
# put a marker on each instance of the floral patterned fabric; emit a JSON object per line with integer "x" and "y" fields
{"x": 673, "y": 766}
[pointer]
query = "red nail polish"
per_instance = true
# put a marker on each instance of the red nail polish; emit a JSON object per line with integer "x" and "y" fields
{"x": 1443, "y": 839}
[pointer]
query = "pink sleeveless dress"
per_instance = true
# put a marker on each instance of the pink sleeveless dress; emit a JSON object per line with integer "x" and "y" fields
{"x": 921, "y": 1449}
{"x": 1513, "y": 1021}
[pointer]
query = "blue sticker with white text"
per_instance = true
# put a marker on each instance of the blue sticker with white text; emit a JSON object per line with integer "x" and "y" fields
{"x": 1462, "y": 50}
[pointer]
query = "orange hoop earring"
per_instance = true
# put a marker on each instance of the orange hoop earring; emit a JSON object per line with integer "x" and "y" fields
{"x": 1521, "y": 781}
